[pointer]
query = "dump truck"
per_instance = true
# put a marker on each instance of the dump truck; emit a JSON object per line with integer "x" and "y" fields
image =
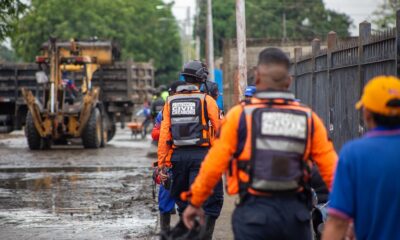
{"x": 80, "y": 92}
{"x": 124, "y": 86}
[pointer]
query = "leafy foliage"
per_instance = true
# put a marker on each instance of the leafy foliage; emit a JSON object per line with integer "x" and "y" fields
{"x": 385, "y": 15}
{"x": 142, "y": 31}
{"x": 9, "y": 12}
{"x": 305, "y": 20}
{"x": 7, "y": 54}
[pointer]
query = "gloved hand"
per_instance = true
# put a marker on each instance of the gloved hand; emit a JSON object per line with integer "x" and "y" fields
{"x": 165, "y": 176}
{"x": 156, "y": 176}
{"x": 163, "y": 173}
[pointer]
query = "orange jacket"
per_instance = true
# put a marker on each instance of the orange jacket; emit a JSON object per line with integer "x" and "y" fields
{"x": 219, "y": 156}
{"x": 164, "y": 149}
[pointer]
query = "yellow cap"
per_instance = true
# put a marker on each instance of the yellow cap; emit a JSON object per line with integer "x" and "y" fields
{"x": 380, "y": 95}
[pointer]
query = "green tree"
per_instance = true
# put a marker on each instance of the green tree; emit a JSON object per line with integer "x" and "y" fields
{"x": 142, "y": 31}
{"x": 385, "y": 15}
{"x": 9, "y": 13}
{"x": 6, "y": 54}
{"x": 305, "y": 20}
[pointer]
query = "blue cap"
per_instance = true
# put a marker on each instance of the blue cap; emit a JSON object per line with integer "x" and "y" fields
{"x": 250, "y": 90}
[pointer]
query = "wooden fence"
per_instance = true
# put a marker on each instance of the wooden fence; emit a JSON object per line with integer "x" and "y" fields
{"x": 331, "y": 80}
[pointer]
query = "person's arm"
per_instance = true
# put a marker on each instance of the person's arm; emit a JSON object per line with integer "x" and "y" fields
{"x": 341, "y": 204}
{"x": 140, "y": 112}
{"x": 335, "y": 229}
{"x": 217, "y": 159}
{"x": 165, "y": 138}
{"x": 322, "y": 151}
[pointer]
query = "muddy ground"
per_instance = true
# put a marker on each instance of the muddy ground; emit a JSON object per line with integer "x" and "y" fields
{"x": 73, "y": 193}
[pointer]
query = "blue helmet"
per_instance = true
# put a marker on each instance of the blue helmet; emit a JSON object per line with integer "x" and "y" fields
{"x": 250, "y": 90}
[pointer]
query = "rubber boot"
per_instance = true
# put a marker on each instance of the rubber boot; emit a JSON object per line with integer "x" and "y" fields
{"x": 165, "y": 220}
{"x": 210, "y": 224}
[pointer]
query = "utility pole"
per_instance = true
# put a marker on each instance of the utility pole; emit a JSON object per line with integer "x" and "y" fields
{"x": 284, "y": 31}
{"x": 241, "y": 46}
{"x": 197, "y": 39}
{"x": 188, "y": 35}
{"x": 210, "y": 41}
{"x": 284, "y": 27}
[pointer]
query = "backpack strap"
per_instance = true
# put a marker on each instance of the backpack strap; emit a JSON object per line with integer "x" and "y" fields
{"x": 207, "y": 120}
{"x": 242, "y": 135}
{"x": 206, "y": 110}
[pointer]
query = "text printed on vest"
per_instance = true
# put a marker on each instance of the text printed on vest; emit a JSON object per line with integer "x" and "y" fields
{"x": 183, "y": 108}
{"x": 284, "y": 124}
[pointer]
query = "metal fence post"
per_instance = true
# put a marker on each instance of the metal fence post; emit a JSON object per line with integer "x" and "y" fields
{"x": 398, "y": 42}
{"x": 364, "y": 35}
{"x": 297, "y": 55}
{"x": 315, "y": 46}
{"x": 332, "y": 43}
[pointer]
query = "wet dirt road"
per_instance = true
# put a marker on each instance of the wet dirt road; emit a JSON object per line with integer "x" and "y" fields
{"x": 73, "y": 193}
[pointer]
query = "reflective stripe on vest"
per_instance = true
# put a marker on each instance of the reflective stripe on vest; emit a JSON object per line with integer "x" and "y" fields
{"x": 195, "y": 119}
{"x": 186, "y": 113}
{"x": 274, "y": 95}
{"x": 189, "y": 142}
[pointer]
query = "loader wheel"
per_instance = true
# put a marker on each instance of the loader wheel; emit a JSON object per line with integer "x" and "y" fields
{"x": 92, "y": 134}
{"x": 104, "y": 137}
{"x": 35, "y": 141}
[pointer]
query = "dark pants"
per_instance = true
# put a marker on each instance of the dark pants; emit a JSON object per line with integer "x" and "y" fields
{"x": 281, "y": 218}
{"x": 185, "y": 167}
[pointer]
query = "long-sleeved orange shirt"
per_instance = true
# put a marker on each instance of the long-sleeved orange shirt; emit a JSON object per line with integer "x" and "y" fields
{"x": 164, "y": 149}
{"x": 218, "y": 158}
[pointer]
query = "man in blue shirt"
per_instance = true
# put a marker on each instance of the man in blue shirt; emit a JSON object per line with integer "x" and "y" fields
{"x": 366, "y": 188}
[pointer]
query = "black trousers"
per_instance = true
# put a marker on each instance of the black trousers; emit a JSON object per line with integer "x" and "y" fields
{"x": 280, "y": 218}
{"x": 185, "y": 167}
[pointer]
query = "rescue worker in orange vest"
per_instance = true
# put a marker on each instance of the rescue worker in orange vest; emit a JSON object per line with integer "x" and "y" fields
{"x": 265, "y": 147}
{"x": 185, "y": 138}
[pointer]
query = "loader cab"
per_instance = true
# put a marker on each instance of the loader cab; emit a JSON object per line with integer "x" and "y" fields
{"x": 72, "y": 79}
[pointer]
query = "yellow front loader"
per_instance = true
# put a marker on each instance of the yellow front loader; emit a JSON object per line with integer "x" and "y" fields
{"x": 69, "y": 106}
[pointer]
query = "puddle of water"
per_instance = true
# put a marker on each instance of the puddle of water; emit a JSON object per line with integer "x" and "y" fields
{"x": 49, "y": 226}
{"x": 107, "y": 204}
{"x": 71, "y": 193}
{"x": 67, "y": 169}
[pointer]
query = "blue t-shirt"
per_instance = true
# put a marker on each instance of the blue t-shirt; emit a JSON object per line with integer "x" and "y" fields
{"x": 367, "y": 185}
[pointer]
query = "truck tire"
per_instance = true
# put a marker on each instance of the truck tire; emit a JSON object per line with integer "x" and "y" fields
{"x": 5, "y": 129}
{"x": 92, "y": 134}
{"x": 5, "y": 119}
{"x": 32, "y": 135}
{"x": 111, "y": 132}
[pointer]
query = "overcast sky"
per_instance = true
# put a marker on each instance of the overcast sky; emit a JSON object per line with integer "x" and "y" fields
{"x": 358, "y": 10}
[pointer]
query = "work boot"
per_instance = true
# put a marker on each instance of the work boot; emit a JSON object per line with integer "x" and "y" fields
{"x": 165, "y": 220}
{"x": 210, "y": 224}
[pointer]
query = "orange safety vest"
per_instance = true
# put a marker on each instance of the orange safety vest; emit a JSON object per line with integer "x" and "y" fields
{"x": 278, "y": 136}
{"x": 189, "y": 117}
